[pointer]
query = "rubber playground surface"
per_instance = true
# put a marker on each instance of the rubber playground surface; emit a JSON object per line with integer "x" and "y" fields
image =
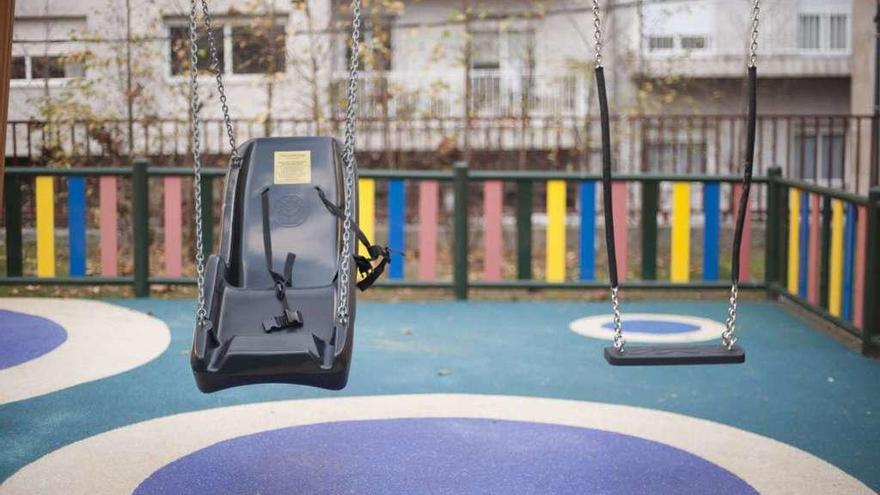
{"x": 444, "y": 397}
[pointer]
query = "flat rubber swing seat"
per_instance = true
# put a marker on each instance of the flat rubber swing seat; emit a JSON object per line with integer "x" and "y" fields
{"x": 670, "y": 355}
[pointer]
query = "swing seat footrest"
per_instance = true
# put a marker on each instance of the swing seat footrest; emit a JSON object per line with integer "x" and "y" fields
{"x": 670, "y": 355}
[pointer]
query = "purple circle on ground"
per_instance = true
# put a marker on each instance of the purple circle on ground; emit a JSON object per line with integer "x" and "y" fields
{"x": 654, "y": 326}
{"x": 440, "y": 455}
{"x": 24, "y": 337}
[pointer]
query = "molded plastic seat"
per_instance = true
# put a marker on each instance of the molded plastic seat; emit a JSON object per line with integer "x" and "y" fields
{"x": 235, "y": 347}
{"x": 668, "y": 355}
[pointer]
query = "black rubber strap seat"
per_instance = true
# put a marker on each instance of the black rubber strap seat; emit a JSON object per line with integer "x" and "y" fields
{"x": 265, "y": 326}
{"x": 667, "y": 355}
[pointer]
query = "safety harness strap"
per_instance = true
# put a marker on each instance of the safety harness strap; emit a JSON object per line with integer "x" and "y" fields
{"x": 288, "y": 318}
{"x": 375, "y": 252}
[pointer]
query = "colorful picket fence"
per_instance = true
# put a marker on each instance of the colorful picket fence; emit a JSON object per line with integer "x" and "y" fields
{"x": 820, "y": 260}
{"x": 826, "y": 242}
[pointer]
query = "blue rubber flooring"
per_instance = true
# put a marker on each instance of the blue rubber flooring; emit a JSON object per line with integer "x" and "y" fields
{"x": 798, "y": 385}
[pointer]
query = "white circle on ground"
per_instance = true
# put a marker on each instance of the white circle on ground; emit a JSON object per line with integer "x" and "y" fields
{"x": 698, "y": 329}
{"x": 119, "y": 460}
{"x": 102, "y": 340}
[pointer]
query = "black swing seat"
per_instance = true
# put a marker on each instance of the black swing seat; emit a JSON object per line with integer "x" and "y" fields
{"x": 271, "y": 292}
{"x": 668, "y": 355}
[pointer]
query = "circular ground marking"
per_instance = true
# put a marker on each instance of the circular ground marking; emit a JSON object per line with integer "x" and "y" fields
{"x": 650, "y": 328}
{"x": 100, "y": 340}
{"x": 24, "y": 337}
{"x": 432, "y": 443}
{"x": 440, "y": 455}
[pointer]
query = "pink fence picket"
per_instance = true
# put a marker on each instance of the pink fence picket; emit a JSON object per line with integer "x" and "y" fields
{"x": 429, "y": 192}
{"x": 492, "y": 205}
{"x": 109, "y": 227}
{"x": 173, "y": 226}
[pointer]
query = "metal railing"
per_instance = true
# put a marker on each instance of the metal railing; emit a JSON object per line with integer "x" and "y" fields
{"x": 829, "y": 150}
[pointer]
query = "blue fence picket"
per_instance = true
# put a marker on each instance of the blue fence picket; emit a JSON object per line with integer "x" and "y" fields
{"x": 396, "y": 226}
{"x": 588, "y": 230}
{"x": 712, "y": 208}
{"x": 76, "y": 224}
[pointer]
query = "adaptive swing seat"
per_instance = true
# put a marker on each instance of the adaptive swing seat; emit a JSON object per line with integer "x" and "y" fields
{"x": 271, "y": 292}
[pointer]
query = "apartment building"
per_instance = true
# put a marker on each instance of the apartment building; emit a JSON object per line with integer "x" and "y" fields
{"x": 471, "y": 76}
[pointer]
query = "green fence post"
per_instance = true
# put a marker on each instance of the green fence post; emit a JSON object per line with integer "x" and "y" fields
{"x": 524, "y": 229}
{"x": 650, "y": 199}
{"x": 460, "y": 257}
{"x": 871, "y": 314}
{"x": 771, "y": 233}
{"x": 12, "y": 207}
{"x": 207, "y": 215}
{"x": 141, "y": 223}
{"x": 825, "y": 254}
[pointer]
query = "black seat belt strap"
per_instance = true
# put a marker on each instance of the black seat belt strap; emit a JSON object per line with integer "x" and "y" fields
{"x": 376, "y": 252}
{"x": 288, "y": 318}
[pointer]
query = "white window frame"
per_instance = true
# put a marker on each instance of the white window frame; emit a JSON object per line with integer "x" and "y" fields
{"x": 676, "y": 49}
{"x": 227, "y": 23}
{"x": 30, "y": 82}
{"x": 824, "y": 32}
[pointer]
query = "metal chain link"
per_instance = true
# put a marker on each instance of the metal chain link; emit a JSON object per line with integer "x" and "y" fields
{"x": 597, "y": 34}
{"x": 753, "y": 48}
{"x": 619, "y": 341}
{"x": 195, "y": 106}
{"x": 349, "y": 161}
{"x": 728, "y": 337}
{"x": 217, "y": 68}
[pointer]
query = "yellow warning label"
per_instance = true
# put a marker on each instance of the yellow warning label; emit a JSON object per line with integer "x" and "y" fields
{"x": 293, "y": 167}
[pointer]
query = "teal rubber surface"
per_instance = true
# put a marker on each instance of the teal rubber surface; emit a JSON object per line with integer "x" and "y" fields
{"x": 798, "y": 385}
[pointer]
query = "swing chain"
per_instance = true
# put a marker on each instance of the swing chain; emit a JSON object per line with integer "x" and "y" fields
{"x": 349, "y": 161}
{"x": 597, "y": 34}
{"x": 221, "y": 89}
{"x": 728, "y": 337}
{"x": 619, "y": 341}
{"x": 195, "y": 106}
{"x": 753, "y": 48}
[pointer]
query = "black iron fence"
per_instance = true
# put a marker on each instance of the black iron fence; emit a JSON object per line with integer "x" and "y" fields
{"x": 829, "y": 150}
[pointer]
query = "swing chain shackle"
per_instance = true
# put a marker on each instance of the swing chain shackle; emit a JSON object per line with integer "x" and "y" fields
{"x": 350, "y": 165}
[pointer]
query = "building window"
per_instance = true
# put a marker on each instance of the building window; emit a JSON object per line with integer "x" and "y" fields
{"x": 823, "y": 32}
{"x": 486, "y": 50}
{"x": 19, "y": 68}
{"x": 838, "y": 32}
{"x": 657, "y": 43}
{"x": 180, "y": 49}
{"x": 509, "y": 51}
{"x": 30, "y": 67}
{"x": 256, "y": 48}
{"x": 808, "y": 32}
{"x": 693, "y": 42}
{"x": 823, "y": 155}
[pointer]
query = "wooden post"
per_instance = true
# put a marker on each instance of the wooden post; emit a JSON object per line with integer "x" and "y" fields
{"x": 7, "y": 14}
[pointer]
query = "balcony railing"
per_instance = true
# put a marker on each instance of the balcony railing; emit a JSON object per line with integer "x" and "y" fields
{"x": 493, "y": 93}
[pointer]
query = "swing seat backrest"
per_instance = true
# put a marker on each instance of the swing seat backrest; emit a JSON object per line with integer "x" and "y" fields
{"x": 298, "y": 221}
